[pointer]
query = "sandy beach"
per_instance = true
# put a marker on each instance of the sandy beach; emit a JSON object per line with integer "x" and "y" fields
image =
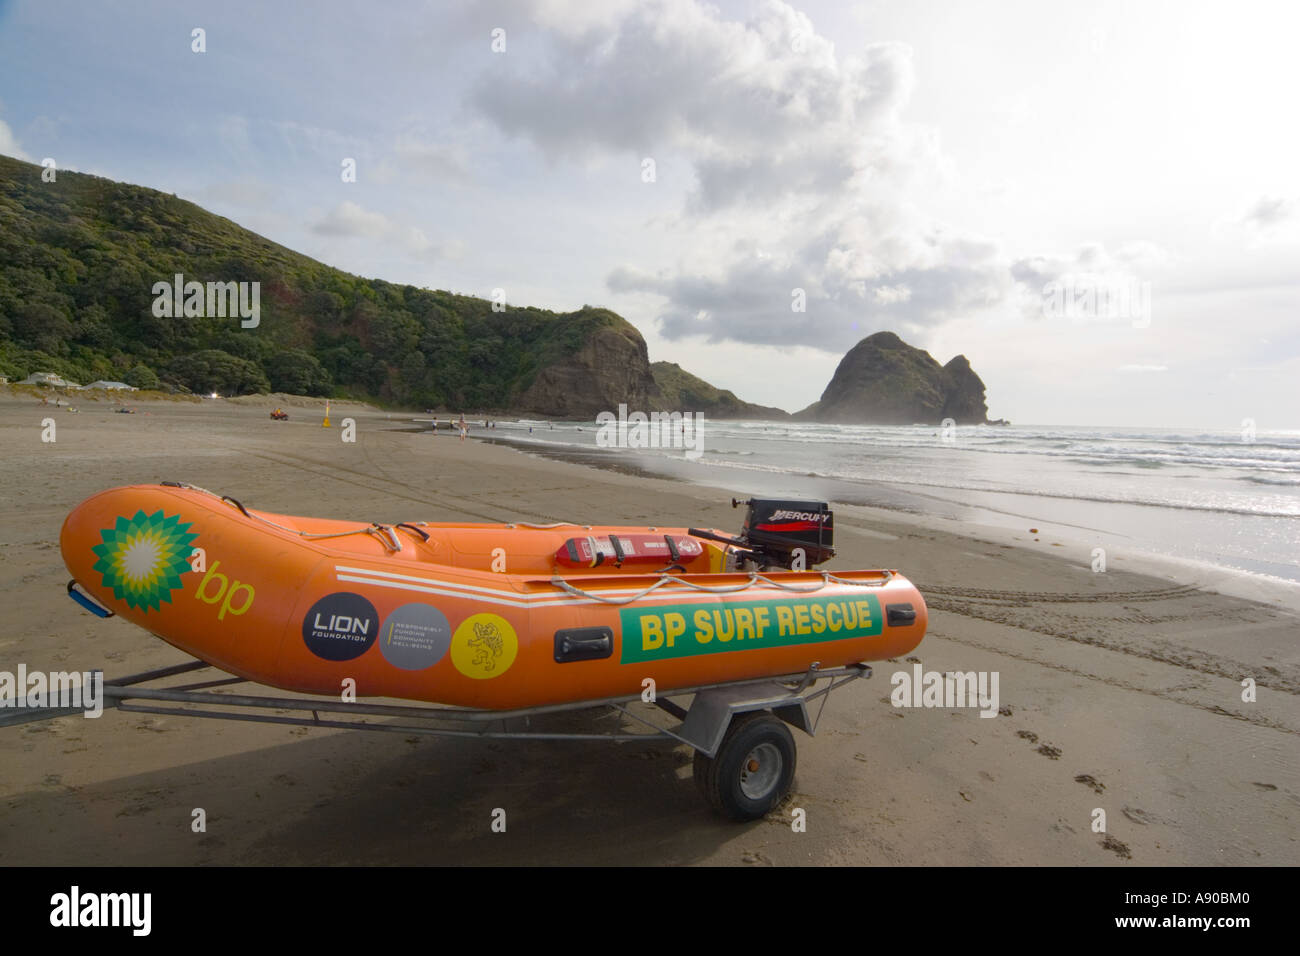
{"x": 1119, "y": 691}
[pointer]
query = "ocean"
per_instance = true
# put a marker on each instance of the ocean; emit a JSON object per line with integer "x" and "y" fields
{"x": 1218, "y": 498}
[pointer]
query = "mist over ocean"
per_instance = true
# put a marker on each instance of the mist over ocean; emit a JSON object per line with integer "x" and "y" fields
{"x": 1211, "y": 496}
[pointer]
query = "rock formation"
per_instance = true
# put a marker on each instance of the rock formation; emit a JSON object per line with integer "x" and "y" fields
{"x": 884, "y": 381}
{"x": 612, "y": 366}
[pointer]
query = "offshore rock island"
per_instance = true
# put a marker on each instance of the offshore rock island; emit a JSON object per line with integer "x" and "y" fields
{"x": 884, "y": 381}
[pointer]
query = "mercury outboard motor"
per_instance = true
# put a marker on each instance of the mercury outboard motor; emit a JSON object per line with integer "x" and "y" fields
{"x": 780, "y": 533}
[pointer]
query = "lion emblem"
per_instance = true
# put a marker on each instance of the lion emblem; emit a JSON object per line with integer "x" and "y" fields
{"x": 487, "y": 644}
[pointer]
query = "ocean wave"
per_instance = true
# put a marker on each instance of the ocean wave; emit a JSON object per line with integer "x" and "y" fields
{"x": 1290, "y": 482}
{"x": 904, "y": 485}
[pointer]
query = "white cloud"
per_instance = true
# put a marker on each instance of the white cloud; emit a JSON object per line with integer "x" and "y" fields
{"x": 243, "y": 193}
{"x": 1269, "y": 211}
{"x": 793, "y": 147}
{"x": 435, "y": 160}
{"x": 350, "y": 219}
{"x": 9, "y": 144}
{"x": 1093, "y": 257}
{"x": 414, "y": 240}
{"x": 889, "y": 294}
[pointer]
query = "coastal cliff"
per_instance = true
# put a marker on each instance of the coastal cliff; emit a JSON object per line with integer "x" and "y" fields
{"x": 610, "y": 367}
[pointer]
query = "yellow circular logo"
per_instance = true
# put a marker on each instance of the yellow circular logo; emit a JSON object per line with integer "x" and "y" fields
{"x": 484, "y": 646}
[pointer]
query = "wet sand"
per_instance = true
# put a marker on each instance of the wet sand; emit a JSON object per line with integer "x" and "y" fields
{"x": 1119, "y": 691}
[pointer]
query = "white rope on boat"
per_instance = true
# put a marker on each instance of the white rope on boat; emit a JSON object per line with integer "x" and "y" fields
{"x": 547, "y": 527}
{"x": 383, "y": 532}
{"x": 754, "y": 579}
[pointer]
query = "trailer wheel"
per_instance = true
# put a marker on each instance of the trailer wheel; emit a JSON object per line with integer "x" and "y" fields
{"x": 753, "y": 769}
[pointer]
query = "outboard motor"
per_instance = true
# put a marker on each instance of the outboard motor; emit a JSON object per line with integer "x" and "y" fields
{"x": 780, "y": 533}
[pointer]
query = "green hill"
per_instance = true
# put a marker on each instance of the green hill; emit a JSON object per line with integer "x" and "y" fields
{"x": 79, "y": 259}
{"x": 679, "y": 389}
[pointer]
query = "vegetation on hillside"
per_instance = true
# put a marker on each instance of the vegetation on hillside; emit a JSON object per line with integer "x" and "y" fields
{"x": 679, "y": 389}
{"x": 79, "y": 258}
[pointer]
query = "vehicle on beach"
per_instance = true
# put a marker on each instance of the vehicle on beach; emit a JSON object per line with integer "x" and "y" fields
{"x": 498, "y": 624}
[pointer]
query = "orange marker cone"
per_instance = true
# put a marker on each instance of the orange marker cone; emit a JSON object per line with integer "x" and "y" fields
{"x": 326, "y": 423}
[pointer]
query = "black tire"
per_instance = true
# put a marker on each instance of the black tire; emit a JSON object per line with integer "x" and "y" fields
{"x": 744, "y": 763}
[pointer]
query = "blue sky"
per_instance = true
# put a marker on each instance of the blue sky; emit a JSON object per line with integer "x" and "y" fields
{"x": 928, "y": 168}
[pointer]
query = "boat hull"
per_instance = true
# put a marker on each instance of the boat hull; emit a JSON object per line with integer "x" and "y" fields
{"x": 478, "y": 616}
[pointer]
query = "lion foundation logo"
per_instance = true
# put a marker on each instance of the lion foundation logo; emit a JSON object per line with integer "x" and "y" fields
{"x": 484, "y": 646}
{"x": 142, "y": 558}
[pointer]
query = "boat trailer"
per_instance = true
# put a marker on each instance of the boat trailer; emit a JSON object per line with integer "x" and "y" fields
{"x": 744, "y": 751}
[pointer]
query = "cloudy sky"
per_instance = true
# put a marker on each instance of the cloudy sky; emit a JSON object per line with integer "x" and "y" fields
{"x": 1098, "y": 204}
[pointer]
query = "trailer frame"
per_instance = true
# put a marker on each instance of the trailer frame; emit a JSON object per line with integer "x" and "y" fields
{"x": 730, "y": 780}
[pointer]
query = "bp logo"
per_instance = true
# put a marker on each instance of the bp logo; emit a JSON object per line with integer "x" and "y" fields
{"x": 142, "y": 558}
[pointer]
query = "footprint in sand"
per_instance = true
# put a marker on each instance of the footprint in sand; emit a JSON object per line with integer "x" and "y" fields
{"x": 1088, "y": 780}
{"x": 1138, "y": 816}
{"x": 1264, "y": 786}
{"x": 1027, "y": 735}
{"x": 1048, "y": 751}
{"x": 1110, "y": 843}
{"x": 753, "y": 856}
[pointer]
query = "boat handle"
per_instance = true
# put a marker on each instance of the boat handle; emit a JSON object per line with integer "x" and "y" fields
{"x": 236, "y": 503}
{"x": 78, "y": 594}
{"x": 385, "y": 534}
{"x": 410, "y": 527}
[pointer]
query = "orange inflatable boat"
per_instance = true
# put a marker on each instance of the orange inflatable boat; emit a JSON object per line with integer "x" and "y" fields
{"x": 490, "y": 616}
